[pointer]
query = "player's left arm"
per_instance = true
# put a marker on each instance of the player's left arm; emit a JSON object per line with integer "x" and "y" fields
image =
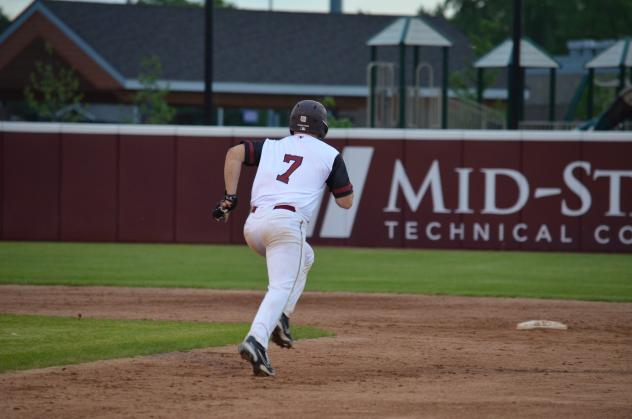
{"x": 339, "y": 184}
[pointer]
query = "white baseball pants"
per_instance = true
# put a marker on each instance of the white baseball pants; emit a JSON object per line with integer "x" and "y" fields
{"x": 278, "y": 235}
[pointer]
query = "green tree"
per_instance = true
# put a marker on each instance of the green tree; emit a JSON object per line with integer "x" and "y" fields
{"x": 4, "y": 21}
{"x": 151, "y": 100}
{"x": 461, "y": 82}
{"x": 550, "y": 23}
{"x": 53, "y": 91}
{"x": 332, "y": 120}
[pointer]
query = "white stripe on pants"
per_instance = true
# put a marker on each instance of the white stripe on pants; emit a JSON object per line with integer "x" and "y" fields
{"x": 279, "y": 235}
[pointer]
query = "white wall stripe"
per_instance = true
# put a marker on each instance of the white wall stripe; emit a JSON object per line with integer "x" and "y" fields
{"x": 338, "y": 222}
{"x": 335, "y": 133}
{"x": 312, "y": 226}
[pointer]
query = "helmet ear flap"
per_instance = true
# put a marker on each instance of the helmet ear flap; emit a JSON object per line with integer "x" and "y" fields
{"x": 325, "y": 129}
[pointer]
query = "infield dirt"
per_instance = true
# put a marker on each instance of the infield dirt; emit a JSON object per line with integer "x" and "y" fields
{"x": 393, "y": 356}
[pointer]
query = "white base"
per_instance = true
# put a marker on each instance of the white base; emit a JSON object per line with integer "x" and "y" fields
{"x": 541, "y": 324}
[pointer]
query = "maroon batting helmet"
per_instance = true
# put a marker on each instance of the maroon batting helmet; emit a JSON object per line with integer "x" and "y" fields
{"x": 309, "y": 116}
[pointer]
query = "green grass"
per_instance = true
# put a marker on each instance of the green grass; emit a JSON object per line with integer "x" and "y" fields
{"x": 584, "y": 276}
{"x": 38, "y": 341}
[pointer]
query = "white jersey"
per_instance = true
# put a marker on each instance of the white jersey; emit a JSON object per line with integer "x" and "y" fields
{"x": 292, "y": 171}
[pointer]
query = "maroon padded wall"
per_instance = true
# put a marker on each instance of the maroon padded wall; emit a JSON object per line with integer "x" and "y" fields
{"x": 155, "y": 185}
{"x": 419, "y": 156}
{"x": 31, "y": 186}
{"x": 2, "y": 179}
{"x": 543, "y": 166}
{"x": 481, "y": 155}
{"x": 89, "y": 187}
{"x": 604, "y": 156}
{"x": 199, "y": 180}
{"x": 375, "y": 194}
{"x": 339, "y": 145}
{"x": 147, "y": 188}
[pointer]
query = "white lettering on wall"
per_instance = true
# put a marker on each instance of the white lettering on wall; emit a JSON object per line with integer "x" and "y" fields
{"x": 622, "y": 238}
{"x": 574, "y": 197}
{"x": 464, "y": 190}
{"x": 410, "y": 230}
{"x": 578, "y": 188}
{"x": 431, "y": 226}
{"x": 490, "y": 191}
{"x": 614, "y": 209}
{"x": 457, "y": 231}
{"x": 481, "y": 232}
{"x": 543, "y": 234}
{"x": 516, "y": 232}
{"x": 432, "y": 181}
{"x": 563, "y": 237}
{"x": 598, "y": 237}
{"x": 390, "y": 225}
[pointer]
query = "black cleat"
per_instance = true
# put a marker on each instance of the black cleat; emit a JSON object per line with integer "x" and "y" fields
{"x": 253, "y": 352}
{"x": 281, "y": 334}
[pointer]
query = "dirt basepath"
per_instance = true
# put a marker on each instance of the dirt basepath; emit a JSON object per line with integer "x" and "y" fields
{"x": 394, "y": 356}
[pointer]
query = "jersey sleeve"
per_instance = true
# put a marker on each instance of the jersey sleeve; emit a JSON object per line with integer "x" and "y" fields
{"x": 338, "y": 180}
{"x": 253, "y": 152}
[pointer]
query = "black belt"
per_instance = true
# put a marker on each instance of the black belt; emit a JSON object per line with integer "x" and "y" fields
{"x": 285, "y": 207}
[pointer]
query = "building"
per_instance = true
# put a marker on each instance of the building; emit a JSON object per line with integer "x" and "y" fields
{"x": 262, "y": 61}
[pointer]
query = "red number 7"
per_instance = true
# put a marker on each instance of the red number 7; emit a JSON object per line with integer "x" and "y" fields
{"x": 297, "y": 161}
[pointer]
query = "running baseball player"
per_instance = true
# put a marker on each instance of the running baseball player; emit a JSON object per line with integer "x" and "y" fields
{"x": 291, "y": 176}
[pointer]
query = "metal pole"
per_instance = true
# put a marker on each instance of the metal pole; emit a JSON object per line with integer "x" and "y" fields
{"x": 521, "y": 76}
{"x": 591, "y": 89}
{"x": 515, "y": 94}
{"x": 479, "y": 85}
{"x": 208, "y": 62}
{"x": 552, "y": 94}
{"x": 373, "y": 83}
{"x": 402, "y": 85}
{"x": 509, "y": 99}
{"x": 415, "y": 61}
{"x": 444, "y": 90}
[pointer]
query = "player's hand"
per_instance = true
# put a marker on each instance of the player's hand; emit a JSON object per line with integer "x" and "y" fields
{"x": 224, "y": 207}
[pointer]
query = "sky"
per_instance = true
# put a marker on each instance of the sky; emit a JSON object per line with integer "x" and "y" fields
{"x": 382, "y": 7}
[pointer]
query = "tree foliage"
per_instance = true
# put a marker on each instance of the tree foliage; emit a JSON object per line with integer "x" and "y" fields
{"x": 53, "y": 91}
{"x": 550, "y": 23}
{"x": 151, "y": 100}
{"x": 4, "y": 21}
{"x": 333, "y": 121}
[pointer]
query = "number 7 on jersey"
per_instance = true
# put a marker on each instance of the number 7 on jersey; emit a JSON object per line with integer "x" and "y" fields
{"x": 296, "y": 162}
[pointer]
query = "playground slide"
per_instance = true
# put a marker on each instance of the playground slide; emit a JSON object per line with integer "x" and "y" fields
{"x": 619, "y": 111}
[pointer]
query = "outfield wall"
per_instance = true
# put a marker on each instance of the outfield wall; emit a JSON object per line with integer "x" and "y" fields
{"x": 414, "y": 188}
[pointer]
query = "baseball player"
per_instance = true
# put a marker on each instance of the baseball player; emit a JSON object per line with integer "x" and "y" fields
{"x": 291, "y": 176}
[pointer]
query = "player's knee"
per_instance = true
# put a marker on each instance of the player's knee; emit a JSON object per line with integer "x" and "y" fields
{"x": 309, "y": 257}
{"x": 282, "y": 286}
{"x": 309, "y": 260}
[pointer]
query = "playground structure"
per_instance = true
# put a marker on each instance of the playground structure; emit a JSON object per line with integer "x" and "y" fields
{"x": 423, "y": 104}
{"x": 398, "y": 101}
{"x": 419, "y": 104}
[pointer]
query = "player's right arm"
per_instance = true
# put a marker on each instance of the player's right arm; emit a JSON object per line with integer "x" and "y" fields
{"x": 232, "y": 167}
{"x": 248, "y": 153}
